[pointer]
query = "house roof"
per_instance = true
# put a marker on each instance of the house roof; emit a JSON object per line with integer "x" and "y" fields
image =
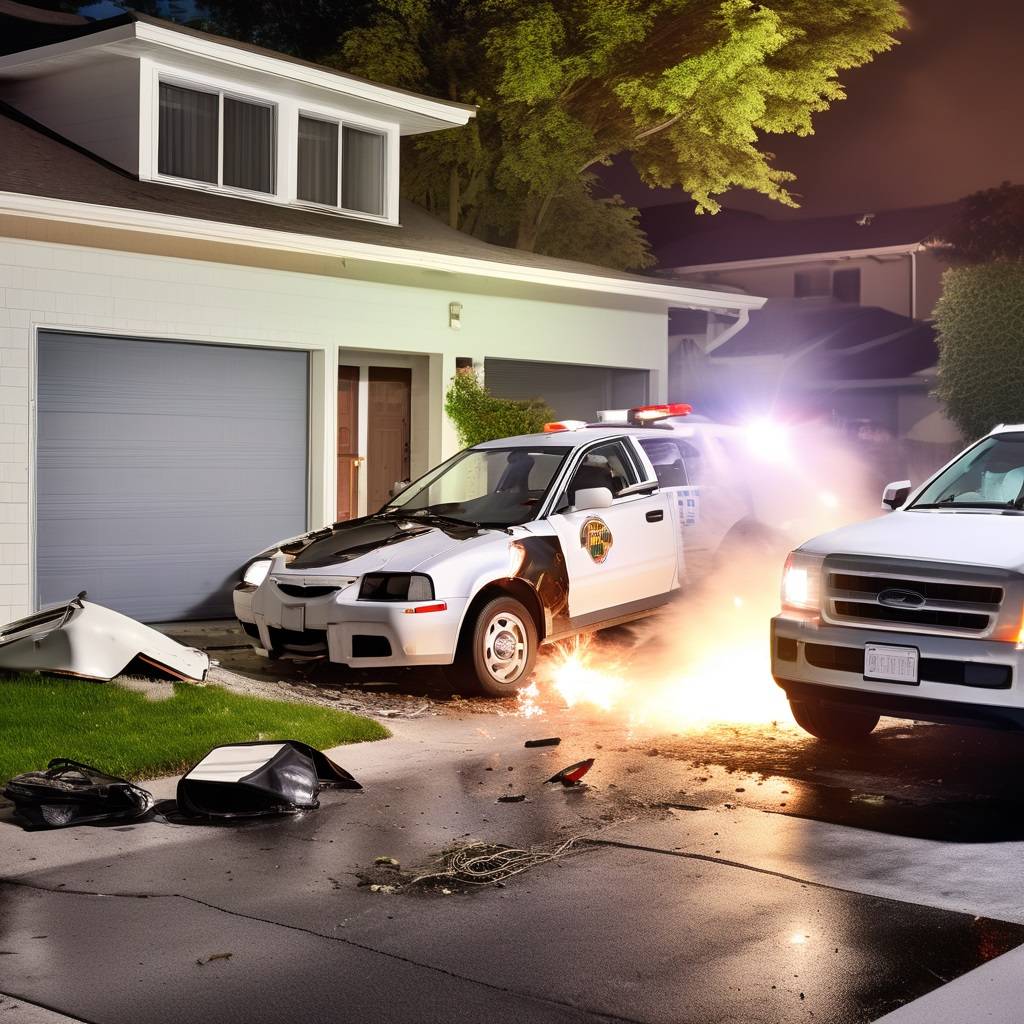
{"x": 834, "y": 341}
{"x": 74, "y": 185}
{"x": 683, "y": 239}
{"x": 138, "y": 34}
{"x": 26, "y": 12}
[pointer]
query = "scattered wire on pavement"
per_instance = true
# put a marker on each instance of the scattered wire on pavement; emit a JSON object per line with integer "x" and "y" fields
{"x": 488, "y": 864}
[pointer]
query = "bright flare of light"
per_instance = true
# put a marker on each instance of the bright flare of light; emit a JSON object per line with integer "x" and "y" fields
{"x": 828, "y": 499}
{"x": 527, "y": 698}
{"x": 716, "y": 675}
{"x": 768, "y": 440}
{"x": 798, "y": 938}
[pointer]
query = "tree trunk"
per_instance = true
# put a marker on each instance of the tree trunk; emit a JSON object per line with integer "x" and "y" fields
{"x": 453, "y": 198}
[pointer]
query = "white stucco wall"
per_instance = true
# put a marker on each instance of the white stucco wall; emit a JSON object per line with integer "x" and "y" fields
{"x": 74, "y": 287}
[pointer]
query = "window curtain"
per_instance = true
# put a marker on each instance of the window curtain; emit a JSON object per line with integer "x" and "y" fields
{"x": 318, "y": 162}
{"x": 362, "y": 171}
{"x": 249, "y": 149}
{"x": 188, "y": 133}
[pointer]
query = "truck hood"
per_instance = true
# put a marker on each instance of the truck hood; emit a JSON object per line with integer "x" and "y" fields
{"x": 966, "y": 538}
{"x": 376, "y": 543}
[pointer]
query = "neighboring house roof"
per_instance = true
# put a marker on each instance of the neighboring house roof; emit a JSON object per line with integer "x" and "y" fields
{"x": 44, "y": 175}
{"x": 834, "y": 341}
{"x": 682, "y": 239}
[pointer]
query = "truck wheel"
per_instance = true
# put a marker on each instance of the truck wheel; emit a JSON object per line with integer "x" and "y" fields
{"x": 834, "y": 723}
{"x": 497, "y": 651}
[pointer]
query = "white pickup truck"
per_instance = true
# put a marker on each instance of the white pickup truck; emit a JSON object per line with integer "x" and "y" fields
{"x": 917, "y": 614}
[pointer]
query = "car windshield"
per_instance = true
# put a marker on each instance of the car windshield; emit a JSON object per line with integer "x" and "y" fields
{"x": 990, "y": 475}
{"x": 485, "y": 486}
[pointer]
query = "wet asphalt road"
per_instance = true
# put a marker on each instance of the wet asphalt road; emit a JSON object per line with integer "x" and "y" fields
{"x": 735, "y": 875}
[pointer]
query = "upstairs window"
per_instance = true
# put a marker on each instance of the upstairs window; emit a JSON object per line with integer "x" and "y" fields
{"x": 217, "y": 139}
{"x": 340, "y": 165}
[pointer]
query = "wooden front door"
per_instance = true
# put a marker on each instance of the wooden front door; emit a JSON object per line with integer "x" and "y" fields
{"x": 348, "y": 442}
{"x": 389, "y": 415}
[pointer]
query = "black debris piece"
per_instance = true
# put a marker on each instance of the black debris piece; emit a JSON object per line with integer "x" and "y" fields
{"x": 571, "y": 776}
{"x": 71, "y": 793}
{"x": 243, "y": 780}
{"x": 509, "y": 798}
{"x": 551, "y": 741}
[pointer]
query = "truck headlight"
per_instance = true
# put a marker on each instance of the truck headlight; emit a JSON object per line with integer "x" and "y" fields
{"x": 396, "y": 586}
{"x": 801, "y": 582}
{"x": 257, "y": 571}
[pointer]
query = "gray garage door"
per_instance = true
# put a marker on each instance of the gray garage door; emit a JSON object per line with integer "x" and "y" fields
{"x": 161, "y": 467}
{"x": 573, "y": 391}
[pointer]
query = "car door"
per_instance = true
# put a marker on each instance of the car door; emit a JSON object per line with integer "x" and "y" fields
{"x": 620, "y": 556}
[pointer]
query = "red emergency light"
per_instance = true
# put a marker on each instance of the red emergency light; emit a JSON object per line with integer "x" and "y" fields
{"x": 650, "y": 413}
{"x": 554, "y": 428}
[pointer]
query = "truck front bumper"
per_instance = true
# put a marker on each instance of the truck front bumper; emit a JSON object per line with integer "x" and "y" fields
{"x": 974, "y": 682}
{"x": 362, "y": 634}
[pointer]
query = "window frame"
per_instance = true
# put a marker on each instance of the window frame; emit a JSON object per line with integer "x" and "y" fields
{"x": 222, "y": 92}
{"x": 343, "y": 121}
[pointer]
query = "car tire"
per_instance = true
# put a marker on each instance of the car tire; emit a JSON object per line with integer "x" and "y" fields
{"x": 834, "y": 723}
{"x": 497, "y": 650}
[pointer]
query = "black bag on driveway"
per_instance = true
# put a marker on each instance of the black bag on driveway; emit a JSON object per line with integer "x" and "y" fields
{"x": 71, "y": 793}
{"x": 252, "y": 779}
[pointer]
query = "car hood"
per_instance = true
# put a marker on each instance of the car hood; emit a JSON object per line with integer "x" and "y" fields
{"x": 375, "y": 543}
{"x": 966, "y": 538}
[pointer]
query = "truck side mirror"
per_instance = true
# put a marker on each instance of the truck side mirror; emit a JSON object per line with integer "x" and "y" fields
{"x": 895, "y": 494}
{"x": 593, "y": 497}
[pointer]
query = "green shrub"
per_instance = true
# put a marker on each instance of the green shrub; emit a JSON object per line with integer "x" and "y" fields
{"x": 479, "y": 416}
{"x": 980, "y": 319}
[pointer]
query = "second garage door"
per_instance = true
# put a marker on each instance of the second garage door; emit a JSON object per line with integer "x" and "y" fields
{"x": 161, "y": 467}
{"x": 573, "y": 391}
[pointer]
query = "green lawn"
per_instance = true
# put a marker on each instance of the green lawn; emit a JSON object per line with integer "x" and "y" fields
{"x": 124, "y": 733}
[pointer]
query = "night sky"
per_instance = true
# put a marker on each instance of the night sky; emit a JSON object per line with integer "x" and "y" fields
{"x": 931, "y": 120}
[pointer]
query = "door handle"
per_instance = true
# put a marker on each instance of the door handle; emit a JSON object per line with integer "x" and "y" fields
{"x": 655, "y": 516}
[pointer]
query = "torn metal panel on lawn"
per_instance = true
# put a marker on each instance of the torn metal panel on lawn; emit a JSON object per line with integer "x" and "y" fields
{"x": 89, "y": 641}
{"x": 71, "y": 793}
{"x": 265, "y": 777}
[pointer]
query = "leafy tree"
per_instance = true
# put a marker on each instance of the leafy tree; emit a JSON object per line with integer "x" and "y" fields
{"x": 980, "y": 317}
{"x": 689, "y": 88}
{"x": 990, "y": 227}
{"x": 479, "y": 416}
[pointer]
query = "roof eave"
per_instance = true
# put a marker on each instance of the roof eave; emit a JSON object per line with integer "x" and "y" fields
{"x": 766, "y": 261}
{"x": 144, "y": 221}
{"x": 128, "y": 37}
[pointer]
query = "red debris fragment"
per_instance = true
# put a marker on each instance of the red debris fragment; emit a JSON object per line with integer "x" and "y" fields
{"x": 571, "y": 776}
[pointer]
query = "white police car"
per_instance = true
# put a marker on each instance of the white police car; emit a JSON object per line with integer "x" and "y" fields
{"x": 508, "y": 545}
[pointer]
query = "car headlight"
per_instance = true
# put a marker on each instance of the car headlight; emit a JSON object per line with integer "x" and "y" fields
{"x": 257, "y": 571}
{"x": 801, "y": 582}
{"x": 396, "y": 586}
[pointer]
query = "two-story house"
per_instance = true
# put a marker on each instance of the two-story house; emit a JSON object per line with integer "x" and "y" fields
{"x": 220, "y": 325}
{"x": 845, "y": 332}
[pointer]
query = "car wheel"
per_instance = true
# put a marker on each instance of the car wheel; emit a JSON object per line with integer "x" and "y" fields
{"x": 498, "y": 650}
{"x": 835, "y": 723}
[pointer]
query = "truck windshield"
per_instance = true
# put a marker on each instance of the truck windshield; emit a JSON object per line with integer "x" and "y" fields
{"x": 485, "y": 486}
{"x": 990, "y": 475}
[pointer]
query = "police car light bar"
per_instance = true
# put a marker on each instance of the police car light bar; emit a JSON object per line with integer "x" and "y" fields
{"x": 648, "y": 413}
{"x": 553, "y": 428}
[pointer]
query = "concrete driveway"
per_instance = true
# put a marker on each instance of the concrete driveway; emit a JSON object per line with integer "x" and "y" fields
{"x": 723, "y": 881}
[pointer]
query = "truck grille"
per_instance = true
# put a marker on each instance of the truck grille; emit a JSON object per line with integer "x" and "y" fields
{"x": 917, "y": 596}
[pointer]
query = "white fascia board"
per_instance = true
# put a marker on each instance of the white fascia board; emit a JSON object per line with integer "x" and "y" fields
{"x": 810, "y": 257}
{"x": 125, "y": 40}
{"x": 119, "y": 218}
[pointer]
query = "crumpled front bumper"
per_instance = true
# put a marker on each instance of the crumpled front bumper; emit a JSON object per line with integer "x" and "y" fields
{"x": 361, "y": 634}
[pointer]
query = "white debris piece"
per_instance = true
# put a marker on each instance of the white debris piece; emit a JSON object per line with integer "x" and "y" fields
{"x": 92, "y": 642}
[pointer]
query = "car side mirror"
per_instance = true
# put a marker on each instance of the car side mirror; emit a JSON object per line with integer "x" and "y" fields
{"x": 593, "y": 497}
{"x": 895, "y": 495}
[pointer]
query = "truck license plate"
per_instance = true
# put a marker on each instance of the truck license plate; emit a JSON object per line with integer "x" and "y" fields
{"x": 890, "y": 664}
